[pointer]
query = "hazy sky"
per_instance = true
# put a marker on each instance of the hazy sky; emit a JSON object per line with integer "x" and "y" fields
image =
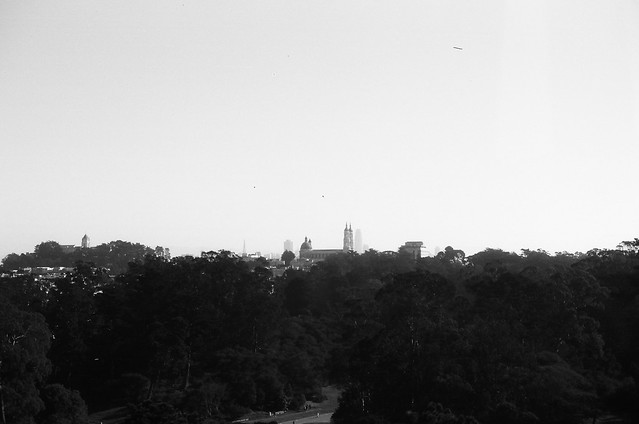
{"x": 197, "y": 125}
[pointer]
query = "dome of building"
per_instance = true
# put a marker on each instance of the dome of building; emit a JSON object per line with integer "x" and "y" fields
{"x": 306, "y": 245}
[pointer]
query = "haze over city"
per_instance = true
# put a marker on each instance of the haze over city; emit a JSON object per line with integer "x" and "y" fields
{"x": 201, "y": 125}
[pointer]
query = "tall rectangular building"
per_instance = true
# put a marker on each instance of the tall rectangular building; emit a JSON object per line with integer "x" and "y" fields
{"x": 359, "y": 241}
{"x": 288, "y": 245}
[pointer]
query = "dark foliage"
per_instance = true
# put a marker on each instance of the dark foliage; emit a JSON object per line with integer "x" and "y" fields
{"x": 495, "y": 337}
{"x": 62, "y": 406}
{"x": 114, "y": 256}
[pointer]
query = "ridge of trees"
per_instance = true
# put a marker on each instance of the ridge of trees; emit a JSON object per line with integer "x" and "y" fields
{"x": 494, "y": 337}
{"x": 114, "y": 256}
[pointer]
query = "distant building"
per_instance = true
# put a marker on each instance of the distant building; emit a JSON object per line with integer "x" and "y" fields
{"x": 348, "y": 239}
{"x": 288, "y": 245}
{"x": 50, "y": 273}
{"x": 305, "y": 248}
{"x": 359, "y": 241}
{"x": 162, "y": 252}
{"x": 309, "y": 254}
{"x": 68, "y": 248}
{"x": 212, "y": 254}
{"x": 208, "y": 255}
{"x": 413, "y": 248}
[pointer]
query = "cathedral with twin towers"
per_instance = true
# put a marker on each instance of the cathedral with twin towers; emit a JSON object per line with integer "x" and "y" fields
{"x": 308, "y": 253}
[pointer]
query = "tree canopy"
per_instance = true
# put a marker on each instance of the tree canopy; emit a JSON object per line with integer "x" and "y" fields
{"x": 492, "y": 337}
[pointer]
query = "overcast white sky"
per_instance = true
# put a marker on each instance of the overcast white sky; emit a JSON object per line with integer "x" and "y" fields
{"x": 197, "y": 125}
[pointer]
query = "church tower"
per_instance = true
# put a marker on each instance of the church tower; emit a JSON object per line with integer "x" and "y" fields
{"x": 86, "y": 243}
{"x": 348, "y": 238}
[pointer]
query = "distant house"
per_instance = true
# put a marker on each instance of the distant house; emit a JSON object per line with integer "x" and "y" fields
{"x": 68, "y": 248}
{"x": 413, "y": 248}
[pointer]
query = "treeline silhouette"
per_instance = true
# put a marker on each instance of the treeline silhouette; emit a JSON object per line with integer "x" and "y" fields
{"x": 113, "y": 256}
{"x": 496, "y": 337}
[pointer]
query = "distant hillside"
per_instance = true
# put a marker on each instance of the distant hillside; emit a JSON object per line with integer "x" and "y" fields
{"x": 113, "y": 256}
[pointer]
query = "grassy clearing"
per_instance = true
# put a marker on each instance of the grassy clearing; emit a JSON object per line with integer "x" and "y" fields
{"x": 326, "y": 406}
{"x": 110, "y": 416}
{"x": 119, "y": 415}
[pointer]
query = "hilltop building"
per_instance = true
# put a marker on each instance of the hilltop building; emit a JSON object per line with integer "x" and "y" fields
{"x": 413, "y": 248}
{"x": 70, "y": 248}
{"x": 162, "y": 252}
{"x": 308, "y": 253}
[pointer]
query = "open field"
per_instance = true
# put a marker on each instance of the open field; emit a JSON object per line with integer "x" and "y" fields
{"x": 325, "y": 410}
{"x": 110, "y": 416}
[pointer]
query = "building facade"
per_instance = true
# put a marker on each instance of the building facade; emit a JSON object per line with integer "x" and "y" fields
{"x": 348, "y": 239}
{"x": 307, "y": 252}
{"x": 413, "y": 248}
{"x": 359, "y": 241}
{"x": 288, "y": 245}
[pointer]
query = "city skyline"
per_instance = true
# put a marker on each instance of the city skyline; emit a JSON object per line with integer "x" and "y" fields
{"x": 197, "y": 125}
{"x": 246, "y": 249}
{"x": 287, "y": 245}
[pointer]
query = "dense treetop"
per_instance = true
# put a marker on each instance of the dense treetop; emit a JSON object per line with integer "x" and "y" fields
{"x": 494, "y": 337}
{"x": 114, "y": 256}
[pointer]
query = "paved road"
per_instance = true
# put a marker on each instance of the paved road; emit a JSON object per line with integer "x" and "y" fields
{"x": 322, "y": 419}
